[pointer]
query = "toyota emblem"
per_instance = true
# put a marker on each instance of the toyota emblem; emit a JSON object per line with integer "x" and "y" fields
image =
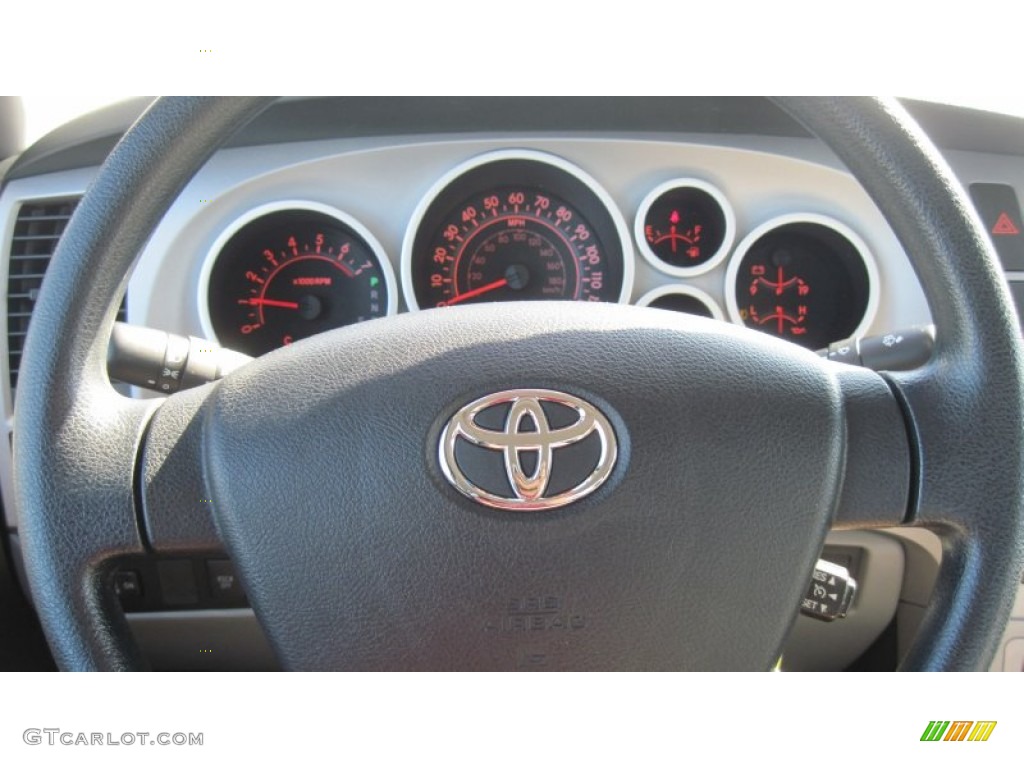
{"x": 527, "y": 449}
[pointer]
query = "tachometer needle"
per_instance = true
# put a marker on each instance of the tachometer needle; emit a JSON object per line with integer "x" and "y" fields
{"x": 478, "y": 291}
{"x": 273, "y": 303}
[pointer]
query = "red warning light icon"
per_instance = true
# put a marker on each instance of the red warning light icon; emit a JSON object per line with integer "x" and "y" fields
{"x": 1004, "y": 225}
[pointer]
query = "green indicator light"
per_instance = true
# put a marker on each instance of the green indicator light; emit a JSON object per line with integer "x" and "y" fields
{"x": 374, "y": 281}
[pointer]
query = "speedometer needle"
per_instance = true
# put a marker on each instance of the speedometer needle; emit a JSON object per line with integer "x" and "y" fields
{"x": 478, "y": 291}
{"x": 273, "y": 303}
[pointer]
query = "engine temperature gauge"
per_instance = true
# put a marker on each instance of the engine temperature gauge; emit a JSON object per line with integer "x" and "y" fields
{"x": 685, "y": 227}
{"x": 779, "y": 298}
{"x": 806, "y": 278}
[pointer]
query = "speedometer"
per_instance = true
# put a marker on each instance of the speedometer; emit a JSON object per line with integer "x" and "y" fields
{"x": 515, "y": 226}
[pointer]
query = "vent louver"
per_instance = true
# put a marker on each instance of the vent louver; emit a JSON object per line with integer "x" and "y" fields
{"x": 37, "y": 231}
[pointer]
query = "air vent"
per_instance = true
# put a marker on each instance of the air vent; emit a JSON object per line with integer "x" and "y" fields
{"x": 37, "y": 231}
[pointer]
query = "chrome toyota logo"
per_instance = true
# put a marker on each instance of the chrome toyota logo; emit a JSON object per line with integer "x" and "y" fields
{"x": 527, "y": 449}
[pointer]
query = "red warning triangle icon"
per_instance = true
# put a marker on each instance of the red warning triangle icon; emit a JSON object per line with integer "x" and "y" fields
{"x": 1004, "y": 225}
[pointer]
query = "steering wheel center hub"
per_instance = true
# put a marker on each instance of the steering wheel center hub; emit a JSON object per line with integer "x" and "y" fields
{"x": 337, "y": 461}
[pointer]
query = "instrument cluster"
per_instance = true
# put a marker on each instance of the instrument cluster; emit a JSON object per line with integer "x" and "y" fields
{"x": 518, "y": 225}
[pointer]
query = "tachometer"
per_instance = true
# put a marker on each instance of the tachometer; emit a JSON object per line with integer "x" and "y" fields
{"x": 289, "y": 270}
{"x": 513, "y": 226}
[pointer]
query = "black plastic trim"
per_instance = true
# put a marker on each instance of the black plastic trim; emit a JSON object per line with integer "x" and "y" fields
{"x": 86, "y": 141}
{"x": 914, "y": 449}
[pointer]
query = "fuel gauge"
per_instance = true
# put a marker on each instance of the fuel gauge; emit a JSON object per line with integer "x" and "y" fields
{"x": 685, "y": 227}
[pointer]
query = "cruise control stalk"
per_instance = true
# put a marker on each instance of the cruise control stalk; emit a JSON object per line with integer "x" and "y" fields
{"x": 830, "y": 592}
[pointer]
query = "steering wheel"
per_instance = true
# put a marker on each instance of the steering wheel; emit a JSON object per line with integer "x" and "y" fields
{"x": 735, "y": 453}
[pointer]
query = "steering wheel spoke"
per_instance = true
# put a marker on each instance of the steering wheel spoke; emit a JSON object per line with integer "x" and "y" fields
{"x": 877, "y": 475}
{"x": 177, "y": 505}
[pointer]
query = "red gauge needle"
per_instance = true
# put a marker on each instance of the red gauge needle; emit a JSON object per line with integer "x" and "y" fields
{"x": 478, "y": 291}
{"x": 273, "y": 303}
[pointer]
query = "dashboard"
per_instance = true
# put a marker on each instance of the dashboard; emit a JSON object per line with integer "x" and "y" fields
{"x": 326, "y": 213}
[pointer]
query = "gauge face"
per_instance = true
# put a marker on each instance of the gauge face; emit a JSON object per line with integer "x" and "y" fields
{"x": 685, "y": 227}
{"x": 289, "y": 273}
{"x": 682, "y": 298}
{"x": 514, "y": 227}
{"x": 808, "y": 279}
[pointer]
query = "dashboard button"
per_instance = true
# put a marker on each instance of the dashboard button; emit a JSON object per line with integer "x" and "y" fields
{"x": 223, "y": 580}
{"x": 128, "y": 585}
{"x": 177, "y": 582}
{"x": 1000, "y": 211}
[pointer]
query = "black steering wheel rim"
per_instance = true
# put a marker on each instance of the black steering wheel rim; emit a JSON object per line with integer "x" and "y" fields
{"x": 76, "y": 441}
